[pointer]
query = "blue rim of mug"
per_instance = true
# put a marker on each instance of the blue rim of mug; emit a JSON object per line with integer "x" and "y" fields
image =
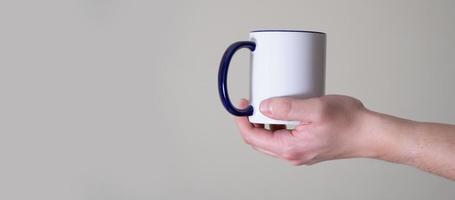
{"x": 278, "y": 30}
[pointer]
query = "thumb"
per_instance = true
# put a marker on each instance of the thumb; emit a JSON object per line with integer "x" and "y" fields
{"x": 286, "y": 108}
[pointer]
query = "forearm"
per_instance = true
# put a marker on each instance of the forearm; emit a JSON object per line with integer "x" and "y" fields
{"x": 427, "y": 146}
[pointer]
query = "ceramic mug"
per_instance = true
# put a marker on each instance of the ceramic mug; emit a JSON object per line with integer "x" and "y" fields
{"x": 283, "y": 63}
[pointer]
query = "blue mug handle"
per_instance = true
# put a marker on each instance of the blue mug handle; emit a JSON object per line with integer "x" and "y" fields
{"x": 222, "y": 78}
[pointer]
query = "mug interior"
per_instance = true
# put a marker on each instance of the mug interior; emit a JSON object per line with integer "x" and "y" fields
{"x": 278, "y": 30}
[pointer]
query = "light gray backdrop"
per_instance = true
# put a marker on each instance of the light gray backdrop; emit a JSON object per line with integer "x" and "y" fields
{"x": 117, "y": 99}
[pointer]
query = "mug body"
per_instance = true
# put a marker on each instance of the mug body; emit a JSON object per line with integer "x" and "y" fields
{"x": 286, "y": 64}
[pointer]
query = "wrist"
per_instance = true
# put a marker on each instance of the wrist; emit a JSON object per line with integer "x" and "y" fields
{"x": 389, "y": 138}
{"x": 363, "y": 140}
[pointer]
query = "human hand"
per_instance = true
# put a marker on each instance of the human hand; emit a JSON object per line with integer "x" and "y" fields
{"x": 331, "y": 127}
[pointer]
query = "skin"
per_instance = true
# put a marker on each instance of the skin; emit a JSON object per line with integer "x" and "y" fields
{"x": 339, "y": 127}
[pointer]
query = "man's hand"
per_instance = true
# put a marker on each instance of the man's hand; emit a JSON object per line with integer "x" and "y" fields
{"x": 336, "y": 127}
{"x": 331, "y": 127}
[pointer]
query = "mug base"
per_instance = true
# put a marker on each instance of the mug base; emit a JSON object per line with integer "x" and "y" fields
{"x": 271, "y": 121}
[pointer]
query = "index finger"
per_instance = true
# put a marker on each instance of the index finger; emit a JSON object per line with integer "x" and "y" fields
{"x": 256, "y": 135}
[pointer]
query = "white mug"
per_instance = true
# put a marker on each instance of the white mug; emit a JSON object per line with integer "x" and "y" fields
{"x": 287, "y": 63}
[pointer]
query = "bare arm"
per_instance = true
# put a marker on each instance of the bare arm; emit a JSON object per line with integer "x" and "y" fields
{"x": 427, "y": 146}
{"x": 339, "y": 127}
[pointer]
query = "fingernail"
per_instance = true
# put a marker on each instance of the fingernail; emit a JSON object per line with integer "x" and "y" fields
{"x": 264, "y": 107}
{"x": 242, "y": 103}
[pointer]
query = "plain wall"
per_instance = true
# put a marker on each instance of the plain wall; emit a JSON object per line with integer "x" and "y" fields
{"x": 110, "y": 99}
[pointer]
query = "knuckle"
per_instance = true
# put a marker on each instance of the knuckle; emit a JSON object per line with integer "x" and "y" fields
{"x": 247, "y": 139}
{"x": 290, "y": 155}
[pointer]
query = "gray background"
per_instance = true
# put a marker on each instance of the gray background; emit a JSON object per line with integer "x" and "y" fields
{"x": 110, "y": 99}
